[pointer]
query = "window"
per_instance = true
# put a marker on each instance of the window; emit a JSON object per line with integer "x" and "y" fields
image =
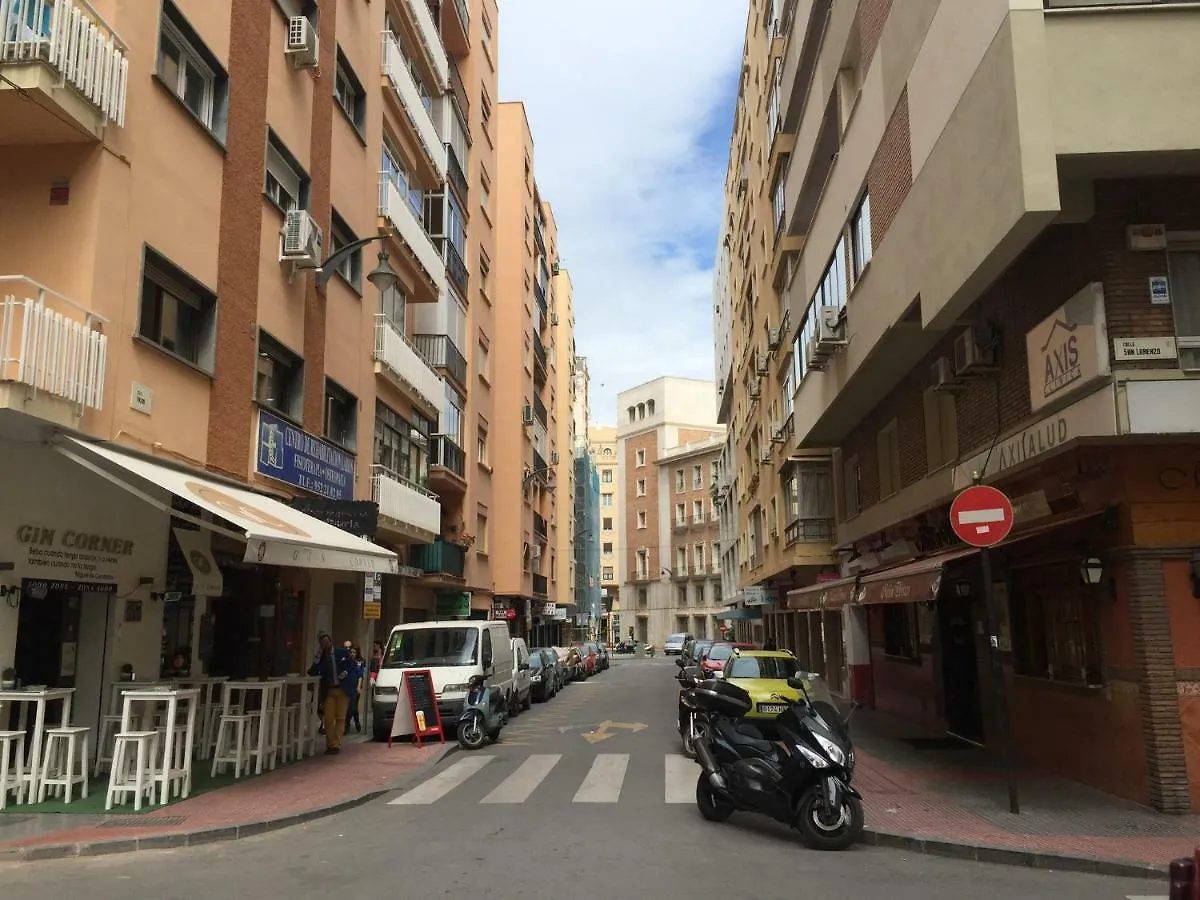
{"x": 341, "y": 415}
{"x": 900, "y": 630}
{"x": 189, "y": 71}
{"x": 789, "y": 393}
{"x": 1055, "y": 626}
{"x": 632, "y": 414}
{"x": 697, "y": 511}
{"x": 850, "y": 481}
{"x": 697, "y": 478}
{"x": 887, "y": 446}
{"x": 608, "y": 547}
{"x": 481, "y": 445}
{"x": 640, "y": 456}
{"x": 451, "y": 420}
{"x": 348, "y": 92}
{"x": 402, "y": 448}
{"x": 606, "y": 500}
{"x": 860, "y": 235}
{"x": 285, "y": 183}
{"x": 680, "y": 514}
{"x": 606, "y": 574}
{"x": 681, "y": 561}
{"x": 279, "y": 381}
{"x": 679, "y": 481}
{"x": 456, "y": 228}
{"x": 392, "y": 306}
{"x": 350, "y": 268}
{"x": 486, "y": 22}
{"x": 177, "y": 313}
{"x": 1183, "y": 270}
{"x": 395, "y": 173}
{"x": 778, "y": 200}
{"x": 485, "y": 193}
{"x": 481, "y": 533}
{"x": 698, "y": 558}
{"x": 482, "y": 362}
{"x": 485, "y": 109}
{"x": 941, "y": 428}
{"x": 607, "y": 524}
{"x": 641, "y": 518}
{"x": 485, "y": 271}
{"x": 606, "y": 476}
{"x": 641, "y": 487}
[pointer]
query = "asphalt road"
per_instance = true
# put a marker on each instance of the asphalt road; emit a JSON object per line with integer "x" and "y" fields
{"x": 555, "y": 811}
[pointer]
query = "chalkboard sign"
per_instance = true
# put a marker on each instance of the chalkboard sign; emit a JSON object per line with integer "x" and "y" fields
{"x": 358, "y": 517}
{"x": 422, "y": 706}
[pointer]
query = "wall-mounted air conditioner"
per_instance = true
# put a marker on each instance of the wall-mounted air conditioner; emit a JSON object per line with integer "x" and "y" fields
{"x": 527, "y": 414}
{"x": 943, "y": 376}
{"x": 303, "y": 46}
{"x": 300, "y": 239}
{"x": 974, "y": 352}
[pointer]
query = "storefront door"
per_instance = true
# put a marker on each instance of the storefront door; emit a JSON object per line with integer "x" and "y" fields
{"x": 960, "y": 669}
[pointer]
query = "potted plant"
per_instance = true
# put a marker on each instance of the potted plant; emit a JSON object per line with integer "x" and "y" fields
{"x": 8, "y": 679}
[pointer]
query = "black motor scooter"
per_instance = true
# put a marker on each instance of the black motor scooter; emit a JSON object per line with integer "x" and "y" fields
{"x": 803, "y": 780}
{"x": 692, "y": 719}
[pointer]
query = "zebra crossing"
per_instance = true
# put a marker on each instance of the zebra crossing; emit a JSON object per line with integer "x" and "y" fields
{"x": 603, "y": 783}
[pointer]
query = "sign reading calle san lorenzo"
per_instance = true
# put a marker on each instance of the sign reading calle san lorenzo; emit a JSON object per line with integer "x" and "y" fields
{"x": 293, "y": 456}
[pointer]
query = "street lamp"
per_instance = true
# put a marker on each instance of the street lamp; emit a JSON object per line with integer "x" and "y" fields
{"x": 1092, "y": 570}
{"x": 383, "y": 276}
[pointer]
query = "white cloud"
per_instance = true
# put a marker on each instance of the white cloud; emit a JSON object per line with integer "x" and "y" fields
{"x": 619, "y": 96}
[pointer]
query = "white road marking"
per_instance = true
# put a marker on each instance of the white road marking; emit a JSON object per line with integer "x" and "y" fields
{"x": 681, "y": 779}
{"x": 437, "y": 787}
{"x": 1146, "y": 897}
{"x": 604, "y": 779}
{"x": 517, "y": 787}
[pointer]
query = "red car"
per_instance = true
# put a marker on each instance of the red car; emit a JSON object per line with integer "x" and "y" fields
{"x": 714, "y": 658}
{"x": 587, "y": 658}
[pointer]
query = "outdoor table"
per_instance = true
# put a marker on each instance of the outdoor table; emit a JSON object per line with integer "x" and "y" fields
{"x": 117, "y": 688}
{"x": 271, "y": 693}
{"x": 150, "y": 699}
{"x": 40, "y": 696}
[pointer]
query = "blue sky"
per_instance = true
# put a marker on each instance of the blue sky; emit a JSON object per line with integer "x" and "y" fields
{"x": 631, "y": 106}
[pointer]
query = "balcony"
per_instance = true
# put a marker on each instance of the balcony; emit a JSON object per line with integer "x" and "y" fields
{"x": 539, "y": 464}
{"x": 539, "y": 352}
{"x": 539, "y": 409}
{"x": 809, "y": 531}
{"x": 447, "y": 467}
{"x": 455, "y": 18}
{"x": 53, "y": 358}
{"x": 63, "y": 73}
{"x": 680, "y": 524}
{"x": 679, "y": 572}
{"x": 431, "y": 41}
{"x": 439, "y": 351}
{"x": 539, "y": 294}
{"x": 404, "y": 88}
{"x": 400, "y": 216}
{"x": 456, "y": 269}
{"x": 540, "y": 588}
{"x": 539, "y": 525}
{"x": 456, "y": 176}
{"x": 639, "y": 576}
{"x": 397, "y": 359}
{"x": 538, "y": 238}
{"x": 405, "y": 508}
{"x": 439, "y": 559}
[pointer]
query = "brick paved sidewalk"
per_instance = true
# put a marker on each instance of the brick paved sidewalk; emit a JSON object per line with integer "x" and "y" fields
{"x": 288, "y": 796}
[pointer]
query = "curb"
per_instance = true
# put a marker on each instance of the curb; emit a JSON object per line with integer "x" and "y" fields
{"x": 178, "y": 839}
{"x": 1012, "y": 857}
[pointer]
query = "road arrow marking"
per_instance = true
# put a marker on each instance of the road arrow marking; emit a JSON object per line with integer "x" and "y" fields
{"x": 605, "y": 730}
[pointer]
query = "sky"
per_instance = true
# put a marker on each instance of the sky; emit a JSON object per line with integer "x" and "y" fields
{"x": 631, "y": 107}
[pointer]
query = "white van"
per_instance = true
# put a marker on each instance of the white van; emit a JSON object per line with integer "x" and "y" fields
{"x": 453, "y": 652}
{"x": 522, "y": 697}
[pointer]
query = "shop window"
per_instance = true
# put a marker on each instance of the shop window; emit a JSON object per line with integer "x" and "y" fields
{"x": 279, "y": 381}
{"x": 941, "y": 428}
{"x": 900, "y": 631}
{"x": 1056, "y": 628}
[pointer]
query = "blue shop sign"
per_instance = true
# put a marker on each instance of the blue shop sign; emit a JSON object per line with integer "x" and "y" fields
{"x": 292, "y": 455}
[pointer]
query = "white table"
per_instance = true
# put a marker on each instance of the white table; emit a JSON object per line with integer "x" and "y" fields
{"x": 271, "y": 693}
{"x": 143, "y": 720}
{"x": 40, "y": 697}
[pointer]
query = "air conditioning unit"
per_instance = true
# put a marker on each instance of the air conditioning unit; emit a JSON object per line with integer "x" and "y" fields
{"x": 974, "y": 352}
{"x": 535, "y": 551}
{"x": 302, "y": 43}
{"x": 553, "y": 318}
{"x": 943, "y": 377}
{"x": 765, "y": 456}
{"x": 554, "y": 457}
{"x": 778, "y": 435}
{"x": 830, "y": 328}
{"x": 774, "y": 337}
{"x": 300, "y": 239}
{"x": 762, "y": 364}
{"x": 755, "y": 391}
{"x": 554, "y": 268}
{"x": 527, "y": 414}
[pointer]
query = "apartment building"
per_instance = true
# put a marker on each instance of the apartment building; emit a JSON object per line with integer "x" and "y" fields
{"x": 260, "y": 307}
{"x": 524, "y": 357}
{"x": 981, "y": 245}
{"x": 564, "y": 400}
{"x": 588, "y": 617}
{"x": 668, "y": 443}
{"x": 602, "y": 448}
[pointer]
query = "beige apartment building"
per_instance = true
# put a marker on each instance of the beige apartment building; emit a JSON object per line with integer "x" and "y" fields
{"x": 523, "y": 359}
{"x": 565, "y": 401}
{"x": 229, "y": 313}
{"x": 667, "y": 532}
{"x": 982, "y": 264}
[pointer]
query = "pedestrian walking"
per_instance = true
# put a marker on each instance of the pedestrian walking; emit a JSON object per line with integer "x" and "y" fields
{"x": 332, "y": 665}
{"x": 357, "y": 671}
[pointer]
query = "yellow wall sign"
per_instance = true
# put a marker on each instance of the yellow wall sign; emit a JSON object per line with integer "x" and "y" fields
{"x": 372, "y": 610}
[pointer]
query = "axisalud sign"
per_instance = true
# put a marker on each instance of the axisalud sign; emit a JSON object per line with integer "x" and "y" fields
{"x": 1068, "y": 350}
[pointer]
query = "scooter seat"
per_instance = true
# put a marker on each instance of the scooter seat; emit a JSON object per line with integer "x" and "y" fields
{"x": 743, "y": 734}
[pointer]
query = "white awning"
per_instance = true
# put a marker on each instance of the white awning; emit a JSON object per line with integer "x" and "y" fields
{"x": 275, "y": 534}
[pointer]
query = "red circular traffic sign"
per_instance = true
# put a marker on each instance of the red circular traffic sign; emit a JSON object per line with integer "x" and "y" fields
{"x": 981, "y": 516}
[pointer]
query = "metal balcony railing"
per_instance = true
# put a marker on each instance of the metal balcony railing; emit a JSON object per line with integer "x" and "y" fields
{"x": 539, "y": 351}
{"x": 539, "y": 525}
{"x": 459, "y": 90}
{"x": 456, "y": 269}
{"x": 538, "y": 237}
{"x": 455, "y": 174}
{"x": 810, "y": 531}
{"x": 540, "y": 588}
{"x": 439, "y": 558}
{"x": 539, "y": 409}
{"x": 539, "y": 464}
{"x": 445, "y": 452}
{"x": 439, "y": 351}
{"x": 539, "y": 294}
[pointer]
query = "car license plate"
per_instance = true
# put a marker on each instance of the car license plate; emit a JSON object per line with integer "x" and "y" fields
{"x": 773, "y": 708}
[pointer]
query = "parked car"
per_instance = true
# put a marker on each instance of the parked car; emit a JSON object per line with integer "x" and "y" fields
{"x": 542, "y": 676}
{"x": 553, "y": 666}
{"x": 718, "y": 653}
{"x": 673, "y": 645}
{"x": 764, "y": 675}
{"x": 568, "y": 658}
{"x": 603, "y": 652}
{"x": 601, "y": 657}
{"x": 696, "y": 650}
{"x": 587, "y": 658}
{"x": 522, "y": 693}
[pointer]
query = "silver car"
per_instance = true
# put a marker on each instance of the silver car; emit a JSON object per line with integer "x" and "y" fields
{"x": 673, "y": 645}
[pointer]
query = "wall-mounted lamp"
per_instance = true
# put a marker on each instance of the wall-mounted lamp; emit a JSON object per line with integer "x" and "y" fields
{"x": 1091, "y": 570}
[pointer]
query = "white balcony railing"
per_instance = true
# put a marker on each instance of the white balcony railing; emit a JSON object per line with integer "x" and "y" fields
{"x": 395, "y": 67}
{"x": 49, "y": 343}
{"x": 73, "y": 40}
{"x": 394, "y": 205}
{"x": 431, "y": 40}
{"x": 402, "y": 360}
{"x": 405, "y": 503}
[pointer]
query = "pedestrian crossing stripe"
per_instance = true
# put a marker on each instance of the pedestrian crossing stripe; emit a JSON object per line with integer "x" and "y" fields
{"x": 603, "y": 782}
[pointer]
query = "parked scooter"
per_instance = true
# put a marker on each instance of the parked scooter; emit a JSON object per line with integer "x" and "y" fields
{"x": 484, "y": 714}
{"x": 692, "y": 719}
{"x": 803, "y": 780}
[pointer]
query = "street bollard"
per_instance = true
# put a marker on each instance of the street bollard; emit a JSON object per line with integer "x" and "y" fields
{"x": 1183, "y": 879}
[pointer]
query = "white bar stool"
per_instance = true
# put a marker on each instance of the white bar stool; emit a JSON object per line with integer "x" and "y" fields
{"x": 133, "y": 768}
{"x": 233, "y": 734}
{"x": 65, "y": 763}
{"x": 12, "y": 779}
{"x": 290, "y": 742}
{"x": 109, "y": 726}
{"x": 175, "y": 769}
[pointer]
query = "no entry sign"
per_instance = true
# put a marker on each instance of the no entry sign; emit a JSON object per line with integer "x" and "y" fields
{"x": 981, "y": 516}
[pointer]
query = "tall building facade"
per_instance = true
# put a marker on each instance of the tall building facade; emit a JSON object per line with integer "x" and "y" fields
{"x": 602, "y": 447}
{"x": 981, "y": 266}
{"x": 563, "y": 401}
{"x": 588, "y": 616}
{"x": 668, "y": 443}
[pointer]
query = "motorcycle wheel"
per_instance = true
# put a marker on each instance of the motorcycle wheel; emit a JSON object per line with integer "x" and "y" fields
{"x": 494, "y": 735}
{"x": 471, "y": 735}
{"x": 815, "y": 827}
{"x": 711, "y": 806}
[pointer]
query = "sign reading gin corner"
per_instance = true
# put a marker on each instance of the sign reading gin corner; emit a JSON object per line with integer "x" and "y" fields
{"x": 293, "y": 456}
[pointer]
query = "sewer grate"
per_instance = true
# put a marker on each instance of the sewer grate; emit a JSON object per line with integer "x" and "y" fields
{"x": 142, "y": 821}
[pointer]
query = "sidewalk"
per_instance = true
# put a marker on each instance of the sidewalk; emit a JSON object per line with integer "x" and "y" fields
{"x": 924, "y": 794}
{"x": 290, "y": 795}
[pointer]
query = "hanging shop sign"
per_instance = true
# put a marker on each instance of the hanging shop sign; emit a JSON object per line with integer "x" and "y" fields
{"x": 360, "y": 517}
{"x": 1068, "y": 350}
{"x": 293, "y": 456}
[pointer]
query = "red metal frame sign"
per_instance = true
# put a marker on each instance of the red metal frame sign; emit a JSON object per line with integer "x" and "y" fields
{"x": 422, "y": 703}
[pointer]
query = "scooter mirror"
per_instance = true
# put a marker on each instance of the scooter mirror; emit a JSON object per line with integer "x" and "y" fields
{"x": 679, "y": 662}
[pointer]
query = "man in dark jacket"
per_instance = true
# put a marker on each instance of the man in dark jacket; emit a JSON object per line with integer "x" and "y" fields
{"x": 332, "y": 664}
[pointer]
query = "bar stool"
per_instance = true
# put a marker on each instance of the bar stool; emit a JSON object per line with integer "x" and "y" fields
{"x": 133, "y": 768}
{"x": 64, "y": 763}
{"x": 172, "y": 772}
{"x": 109, "y": 726}
{"x": 12, "y": 779}
{"x": 233, "y": 728}
{"x": 290, "y": 742}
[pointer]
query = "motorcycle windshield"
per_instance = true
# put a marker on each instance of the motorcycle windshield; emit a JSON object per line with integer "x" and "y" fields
{"x": 473, "y": 696}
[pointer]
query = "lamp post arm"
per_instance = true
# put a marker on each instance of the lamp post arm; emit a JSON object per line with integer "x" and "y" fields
{"x": 327, "y": 268}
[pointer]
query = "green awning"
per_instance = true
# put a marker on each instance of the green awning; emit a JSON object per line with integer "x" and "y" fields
{"x": 747, "y": 612}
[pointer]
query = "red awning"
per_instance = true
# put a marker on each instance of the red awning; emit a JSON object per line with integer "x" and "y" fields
{"x": 823, "y": 594}
{"x": 913, "y": 582}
